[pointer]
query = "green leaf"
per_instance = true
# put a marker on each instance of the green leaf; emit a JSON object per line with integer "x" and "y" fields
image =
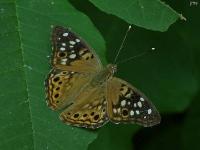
{"x": 149, "y": 14}
{"x": 114, "y": 137}
{"x": 25, "y": 29}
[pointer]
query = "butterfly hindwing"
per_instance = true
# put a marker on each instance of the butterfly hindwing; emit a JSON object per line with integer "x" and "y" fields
{"x": 89, "y": 109}
{"x": 70, "y": 52}
{"x": 127, "y": 104}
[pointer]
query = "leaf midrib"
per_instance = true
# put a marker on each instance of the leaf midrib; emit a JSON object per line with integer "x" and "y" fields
{"x": 25, "y": 73}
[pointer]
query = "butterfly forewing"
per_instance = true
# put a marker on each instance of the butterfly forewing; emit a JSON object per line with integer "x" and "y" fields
{"x": 70, "y": 52}
{"x": 127, "y": 104}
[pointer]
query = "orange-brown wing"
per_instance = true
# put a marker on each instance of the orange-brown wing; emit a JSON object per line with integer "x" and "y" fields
{"x": 63, "y": 86}
{"x": 89, "y": 109}
{"x": 74, "y": 65}
{"x": 127, "y": 104}
{"x": 70, "y": 52}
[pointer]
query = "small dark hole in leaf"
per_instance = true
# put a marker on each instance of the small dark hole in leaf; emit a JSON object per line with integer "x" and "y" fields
{"x": 60, "y": 82}
{"x": 69, "y": 113}
{"x": 92, "y": 56}
{"x": 96, "y": 117}
{"x": 92, "y": 113}
{"x": 87, "y": 58}
{"x": 57, "y": 101}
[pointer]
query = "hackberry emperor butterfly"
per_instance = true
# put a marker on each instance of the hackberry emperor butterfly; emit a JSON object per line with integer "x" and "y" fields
{"x": 88, "y": 93}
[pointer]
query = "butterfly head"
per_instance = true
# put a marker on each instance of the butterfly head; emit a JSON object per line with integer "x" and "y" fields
{"x": 112, "y": 69}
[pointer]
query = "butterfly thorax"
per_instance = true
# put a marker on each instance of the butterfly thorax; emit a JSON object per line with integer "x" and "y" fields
{"x": 104, "y": 75}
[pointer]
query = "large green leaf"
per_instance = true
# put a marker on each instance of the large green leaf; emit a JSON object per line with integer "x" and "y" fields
{"x": 25, "y": 28}
{"x": 149, "y": 14}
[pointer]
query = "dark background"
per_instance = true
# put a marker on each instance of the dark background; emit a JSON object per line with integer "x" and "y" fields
{"x": 170, "y": 76}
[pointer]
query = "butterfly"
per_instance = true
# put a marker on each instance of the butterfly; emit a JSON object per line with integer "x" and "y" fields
{"x": 87, "y": 93}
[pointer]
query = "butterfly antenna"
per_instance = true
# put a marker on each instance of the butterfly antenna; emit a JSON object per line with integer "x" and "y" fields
{"x": 136, "y": 56}
{"x": 122, "y": 44}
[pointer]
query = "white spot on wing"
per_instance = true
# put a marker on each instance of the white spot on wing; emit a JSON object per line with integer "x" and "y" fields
{"x": 139, "y": 104}
{"x": 123, "y": 103}
{"x": 141, "y": 99}
{"x": 137, "y": 112}
{"x": 72, "y": 56}
{"x": 72, "y": 42}
{"x": 62, "y": 49}
{"x": 64, "y": 59}
{"x": 65, "y": 34}
{"x": 114, "y": 111}
{"x": 149, "y": 111}
{"x": 131, "y": 112}
{"x": 135, "y": 105}
{"x": 77, "y": 40}
{"x": 63, "y": 44}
